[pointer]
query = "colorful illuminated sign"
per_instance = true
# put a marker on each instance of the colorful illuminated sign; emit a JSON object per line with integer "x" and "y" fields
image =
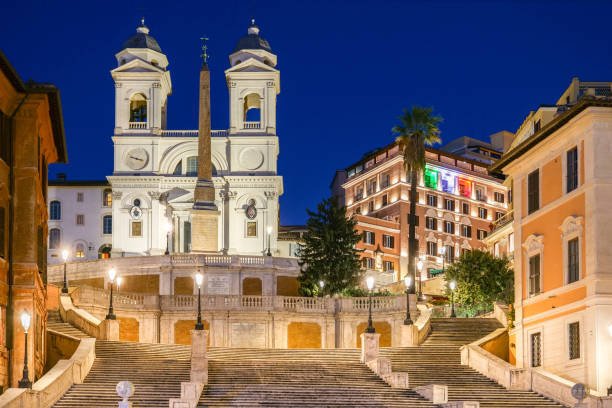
{"x": 465, "y": 187}
{"x": 431, "y": 178}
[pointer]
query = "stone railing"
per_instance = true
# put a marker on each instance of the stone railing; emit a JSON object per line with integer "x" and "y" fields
{"x": 55, "y": 383}
{"x": 192, "y": 133}
{"x": 88, "y": 296}
{"x": 94, "y": 327}
{"x": 126, "y": 265}
{"x": 138, "y": 125}
{"x": 528, "y": 379}
{"x": 251, "y": 125}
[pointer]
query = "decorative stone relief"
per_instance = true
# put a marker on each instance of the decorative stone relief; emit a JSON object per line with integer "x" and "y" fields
{"x": 534, "y": 243}
{"x": 117, "y": 195}
{"x": 571, "y": 225}
{"x": 155, "y": 195}
{"x": 251, "y": 158}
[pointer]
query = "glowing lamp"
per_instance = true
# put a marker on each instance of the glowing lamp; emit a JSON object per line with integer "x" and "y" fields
{"x": 64, "y": 255}
{"x": 321, "y": 284}
{"x": 408, "y": 281}
{"x": 111, "y": 274}
{"x": 269, "y": 229}
{"x": 370, "y": 282}
{"x": 119, "y": 280}
{"x": 420, "y": 265}
{"x": 199, "y": 279}
{"x": 453, "y": 285}
{"x": 25, "y": 320}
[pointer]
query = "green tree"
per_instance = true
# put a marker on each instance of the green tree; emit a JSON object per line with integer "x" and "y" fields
{"x": 419, "y": 128}
{"x": 328, "y": 253}
{"x": 481, "y": 278}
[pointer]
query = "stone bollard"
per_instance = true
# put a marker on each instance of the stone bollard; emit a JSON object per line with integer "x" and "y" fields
{"x": 125, "y": 390}
{"x": 199, "y": 360}
{"x": 369, "y": 346}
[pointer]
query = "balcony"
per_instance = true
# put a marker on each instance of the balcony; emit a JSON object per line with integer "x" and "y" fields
{"x": 137, "y": 125}
{"x": 502, "y": 221}
{"x": 251, "y": 125}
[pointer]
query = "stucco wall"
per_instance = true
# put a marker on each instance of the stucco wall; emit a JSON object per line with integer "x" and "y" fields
{"x": 303, "y": 335}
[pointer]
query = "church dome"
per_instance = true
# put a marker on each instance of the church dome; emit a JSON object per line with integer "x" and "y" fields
{"x": 252, "y": 41}
{"x": 142, "y": 39}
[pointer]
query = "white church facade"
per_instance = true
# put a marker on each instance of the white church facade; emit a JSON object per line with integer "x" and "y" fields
{"x": 155, "y": 168}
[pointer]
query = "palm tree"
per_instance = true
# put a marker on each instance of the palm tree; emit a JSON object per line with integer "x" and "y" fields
{"x": 419, "y": 128}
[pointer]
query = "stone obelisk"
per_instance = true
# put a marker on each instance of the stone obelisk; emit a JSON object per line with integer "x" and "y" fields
{"x": 204, "y": 215}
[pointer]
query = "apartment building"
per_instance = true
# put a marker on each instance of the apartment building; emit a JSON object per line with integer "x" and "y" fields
{"x": 457, "y": 202}
{"x": 561, "y": 175}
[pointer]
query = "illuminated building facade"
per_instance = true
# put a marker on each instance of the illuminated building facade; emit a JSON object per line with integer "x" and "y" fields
{"x": 458, "y": 201}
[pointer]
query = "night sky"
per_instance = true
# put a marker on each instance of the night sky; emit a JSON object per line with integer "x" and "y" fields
{"x": 348, "y": 68}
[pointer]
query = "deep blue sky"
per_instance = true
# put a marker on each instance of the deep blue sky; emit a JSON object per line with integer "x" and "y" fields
{"x": 347, "y": 69}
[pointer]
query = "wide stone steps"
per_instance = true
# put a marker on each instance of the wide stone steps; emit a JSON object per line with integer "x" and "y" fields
{"x": 156, "y": 370}
{"x": 55, "y": 323}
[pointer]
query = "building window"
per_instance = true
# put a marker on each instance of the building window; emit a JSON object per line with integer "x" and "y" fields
{"x": 432, "y": 248}
{"x": 80, "y": 219}
{"x": 449, "y": 227}
{"x": 574, "y": 340}
{"x": 430, "y": 178}
{"x": 432, "y": 200}
{"x": 536, "y": 349}
{"x": 449, "y": 253}
{"x": 136, "y": 230}
{"x": 107, "y": 198}
{"x": 534, "y": 275}
{"x": 449, "y": 205}
{"x": 192, "y": 166}
{"x": 482, "y": 213}
{"x": 138, "y": 108}
{"x": 368, "y": 263}
{"x": 385, "y": 180}
{"x": 498, "y": 197}
{"x": 448, "y": 183}
{"x": 537, "y": 125}
{"x": 358, "y": 193}
{"x": 251, "y": 229}
{"x": 80, "y": 197}
{"x": 465, "y": 207}
{"x": 573, "y": 270}
{"x": 498, "y": 215}
{"x": 371, "y": 206}
{"x": 107, "y": 224}
{"x": 385, "y": 200}
{"x": 368, "y": 237}
{"x": 178, "y": 170}
{"x": 388, "y": 266}
{"x": 533, "y": 191}
{"x": 480, "y": 195}
{"x": 431, "y": 223}
{"x": 187, "y": 236}
{"x": 388, "y": 241}
{"x": 371, "y": 186}
{"x": 481, "y": 234}
{"x": 54, "y": 238}
{"x": 55, "y": 210}
{"x": 79, "y": 252}
{"x": 572, "y": 169}
{"x": 466, "y": 231}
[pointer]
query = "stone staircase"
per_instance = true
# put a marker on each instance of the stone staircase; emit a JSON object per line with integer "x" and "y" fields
{"x": 55, "y": 323}
{"x": 156, "y": 370}
{"x": 438, "y": 361}
{"x": 298, "y": 378}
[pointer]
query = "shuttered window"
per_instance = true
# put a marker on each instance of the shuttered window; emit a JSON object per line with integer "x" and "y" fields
{"x": 572, "y": 169}
{"x": 573, "y": 270}
{"x": 533, "y": 191}
{"x": 534, "y": 275}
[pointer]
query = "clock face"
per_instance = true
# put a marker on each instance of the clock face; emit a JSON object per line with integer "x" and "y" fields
{"x": 137, "y": 159}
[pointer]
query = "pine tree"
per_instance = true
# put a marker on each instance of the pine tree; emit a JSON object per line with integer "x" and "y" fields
{"x": 328, "y": 253}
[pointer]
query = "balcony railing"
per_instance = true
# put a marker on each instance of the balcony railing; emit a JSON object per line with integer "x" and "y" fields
{"x": 502, "y": 221}
{"x": 138, "y": 125}
{"x": 192, "y": 133}
{"x": 252, "y": 125}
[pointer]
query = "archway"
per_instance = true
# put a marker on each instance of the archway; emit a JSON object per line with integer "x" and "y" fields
{"x": 104, "y": 251}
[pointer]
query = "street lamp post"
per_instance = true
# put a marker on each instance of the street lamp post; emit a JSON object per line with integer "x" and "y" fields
{"x": 199, "y": 325}
{"x": 65, "y": 258}
{"x": 443, "y": 253}
{"x": 370, "y": 283}
{"x": 111, "y": 275}
{"x": 453, "y": 284}
{"x": 25, "y": 322}
{"x": 269, "y": 229}
{"x": 420, "y": 268}
{"x": 321, "y": 285}
{"x": 168, "y": 228}
{"x": 408, "y": 282}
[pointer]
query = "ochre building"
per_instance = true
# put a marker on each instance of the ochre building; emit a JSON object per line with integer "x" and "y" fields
{"x": 31, "y": 137}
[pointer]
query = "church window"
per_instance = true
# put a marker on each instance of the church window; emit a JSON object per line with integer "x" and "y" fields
{"x": 136, "y": 229}
{"x": 55, "y": 210}
{"x": 107, "y": 197}
{"x": 137, "y": 202}
{"x": 107, "y": 224}
{"x": 192, "y": 166}
{"x": 251, "y": 230}
{"x": 178, "y": 170}
{"x": 138, "y": 108}
{"x": 54, "y": 238}
{"x": 80, "y": 251}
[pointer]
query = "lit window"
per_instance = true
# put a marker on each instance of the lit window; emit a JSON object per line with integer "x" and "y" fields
{"x": 55, "y": 210}
{"x": 448, "y": 182}
{"x": 388, "y": 241}
{"x": 107, "y": 198}
{"x": 465, "y": 187}
{"x": 79, "y": 251}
